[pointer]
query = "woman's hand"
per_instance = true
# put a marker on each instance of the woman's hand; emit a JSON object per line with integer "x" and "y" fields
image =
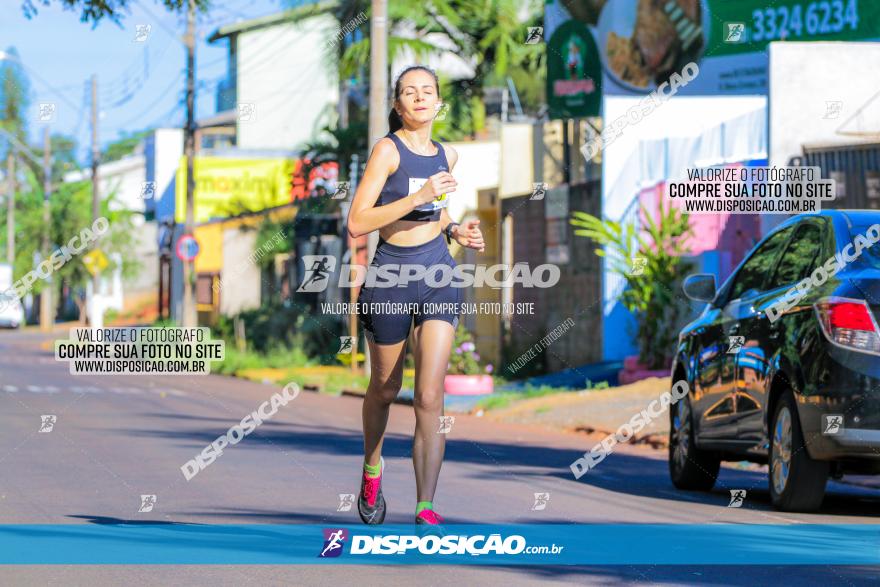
{"x": 437, "y": 185}
{"x": 468, "y": 234}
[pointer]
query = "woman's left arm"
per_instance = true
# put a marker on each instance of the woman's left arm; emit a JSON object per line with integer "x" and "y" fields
{"x": 466, "y": 234}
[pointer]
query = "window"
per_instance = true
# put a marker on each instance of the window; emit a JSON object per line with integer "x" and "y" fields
{"x": 798, "y": 258}
{"x": 870, "y": 255}
{"x": 751, "y": 275}
{"x": 205, "y": 288}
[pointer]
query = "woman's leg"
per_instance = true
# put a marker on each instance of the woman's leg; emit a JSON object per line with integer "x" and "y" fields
{"x": 432, "y": 344}
{"x": 386, "y": 375}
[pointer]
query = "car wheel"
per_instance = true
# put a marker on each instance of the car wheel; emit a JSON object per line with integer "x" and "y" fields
{"x": 797, "y": 482}
{"x": 689, "y": 467}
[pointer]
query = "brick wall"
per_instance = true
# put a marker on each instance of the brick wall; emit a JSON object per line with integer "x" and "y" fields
{"x": 578, "y": 294}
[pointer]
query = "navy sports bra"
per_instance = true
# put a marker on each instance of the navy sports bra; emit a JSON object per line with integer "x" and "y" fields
{"x": 413, "y": 171}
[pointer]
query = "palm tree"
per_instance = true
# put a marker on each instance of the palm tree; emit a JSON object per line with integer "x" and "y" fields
{"x": 489, "y": 35}
{"x": 652, "y": 282}
{"x": 342, "y": 145}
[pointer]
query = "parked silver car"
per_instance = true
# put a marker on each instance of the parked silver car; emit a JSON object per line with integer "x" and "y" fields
{"x": 11, "y": 312}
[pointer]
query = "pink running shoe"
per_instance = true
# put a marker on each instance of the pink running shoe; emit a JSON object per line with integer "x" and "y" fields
{"x": 371, "y": 502}
{"x": 429, "y": 517}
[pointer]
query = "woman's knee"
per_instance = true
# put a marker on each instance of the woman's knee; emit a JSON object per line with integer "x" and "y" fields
{"x": 429, "y": 400}
{"x": 386, "y": 390}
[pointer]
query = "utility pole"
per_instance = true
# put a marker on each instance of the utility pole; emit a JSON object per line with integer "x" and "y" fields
{"x": 190, "y": 317}
{"x": 378, "y": 84}
{"x": 378, "y": 98}
{"x": 47, "y": 317}
{"x": 343, "y": 103}
{"x": 10, "y": 208}
{"x": 378, "y": 72}
{"x": 96, "y": 154}
{"x": 352, "y": 247}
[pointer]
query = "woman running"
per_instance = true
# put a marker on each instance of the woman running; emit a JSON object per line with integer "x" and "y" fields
{"x": 403, "y": 194}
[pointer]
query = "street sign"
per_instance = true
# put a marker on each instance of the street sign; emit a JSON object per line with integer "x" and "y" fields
{"x": 187, "y": 248}
{"x": 95, "y": 261}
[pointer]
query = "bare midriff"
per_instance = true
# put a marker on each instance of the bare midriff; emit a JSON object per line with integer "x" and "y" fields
{"x": 409, "y": 233}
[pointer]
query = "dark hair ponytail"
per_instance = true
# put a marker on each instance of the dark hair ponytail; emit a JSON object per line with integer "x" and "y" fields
{"x": 394, "y": 121}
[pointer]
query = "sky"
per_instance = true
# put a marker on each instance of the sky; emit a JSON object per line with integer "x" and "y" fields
{"x": 140, "y": 84}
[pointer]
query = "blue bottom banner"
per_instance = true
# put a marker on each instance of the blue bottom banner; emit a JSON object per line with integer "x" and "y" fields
{"x": 523, "y": 544}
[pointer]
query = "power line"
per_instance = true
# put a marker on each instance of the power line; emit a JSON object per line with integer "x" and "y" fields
{"x": 49, "y": 86}
{"x": 153, "y": 104}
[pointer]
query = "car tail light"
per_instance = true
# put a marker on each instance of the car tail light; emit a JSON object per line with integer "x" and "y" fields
{"x": 849, "y": 323}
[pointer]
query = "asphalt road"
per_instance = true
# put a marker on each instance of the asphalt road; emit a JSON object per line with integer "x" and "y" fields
{"x": 118, "y": 437}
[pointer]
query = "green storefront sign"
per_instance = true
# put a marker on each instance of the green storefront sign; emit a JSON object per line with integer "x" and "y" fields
{"x": 788, "y": 20}
{"x": 631, "y": 47}
{"x": 574, "y": 72}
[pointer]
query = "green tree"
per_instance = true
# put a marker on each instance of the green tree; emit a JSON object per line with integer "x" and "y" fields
{"x": 14, "y": 99}
{"x": 125, "y": 145}
{"x": 648, "y": 258}
{"x": 341, "y": 146}
{"x": 113, "y": 10}
{"x": 70, "y": 212}
{"x": 490, "y": 35}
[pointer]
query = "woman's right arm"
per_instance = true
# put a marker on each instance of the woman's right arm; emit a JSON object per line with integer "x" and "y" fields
{"x": 364, "y": 216}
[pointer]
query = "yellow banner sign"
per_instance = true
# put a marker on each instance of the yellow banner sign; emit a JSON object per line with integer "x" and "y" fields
{"x": 229, "y": 187}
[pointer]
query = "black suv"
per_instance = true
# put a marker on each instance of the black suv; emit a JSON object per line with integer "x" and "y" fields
{"x": 783, "y": 369}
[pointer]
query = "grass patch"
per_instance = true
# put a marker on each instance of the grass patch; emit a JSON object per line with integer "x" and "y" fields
{"x": 332, "y": 382}
{"x": 284, "y": 365}
{"x": 280, "y": 358}
{"x": 505, "y": 398}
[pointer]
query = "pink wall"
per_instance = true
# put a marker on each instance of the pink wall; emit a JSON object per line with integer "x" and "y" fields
{"x": 730, "y": 236}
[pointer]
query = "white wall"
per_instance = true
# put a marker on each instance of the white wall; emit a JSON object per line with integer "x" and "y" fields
{"x": 517, "y": 160}
{"x": 625, "y": 167}
{"x": 125, "y": 178}
{"x": 281, "y": 71}
{"x": 163, "y": 152}
{"x": 477, "y": 168}
{"x": 238, "y": 270}
{"x": 804, "y": 77}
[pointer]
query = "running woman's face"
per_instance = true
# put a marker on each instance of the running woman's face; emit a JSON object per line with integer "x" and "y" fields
{"x": 418, "y": 101}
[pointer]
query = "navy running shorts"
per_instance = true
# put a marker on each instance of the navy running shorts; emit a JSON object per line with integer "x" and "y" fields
{"x": 420, "y": 279}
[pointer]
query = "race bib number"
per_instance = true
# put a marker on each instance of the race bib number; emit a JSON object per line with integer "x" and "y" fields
{"x": 441, "y": 201}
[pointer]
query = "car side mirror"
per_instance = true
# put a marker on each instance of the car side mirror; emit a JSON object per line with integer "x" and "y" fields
{"x": 700, "y": 287}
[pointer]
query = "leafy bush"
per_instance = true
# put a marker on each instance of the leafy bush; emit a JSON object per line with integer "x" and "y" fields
{"x": 236, "y": 360}
{"x": 278, "y": 326}
{"x": 464, "y": 359}
{"x": 651, "y": 293}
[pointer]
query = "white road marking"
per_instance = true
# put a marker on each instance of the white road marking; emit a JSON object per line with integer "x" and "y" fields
{"x": 175, "y": 392}
{"x": 87, "y": 389}
{"x": 81, "y": 389}
{"x": 126, "y": 390}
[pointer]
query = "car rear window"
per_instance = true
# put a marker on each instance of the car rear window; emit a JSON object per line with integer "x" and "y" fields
{"x": 871, "y": 255}
{"x": 799, "y": 256}
{"x": 753, "y": 273}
